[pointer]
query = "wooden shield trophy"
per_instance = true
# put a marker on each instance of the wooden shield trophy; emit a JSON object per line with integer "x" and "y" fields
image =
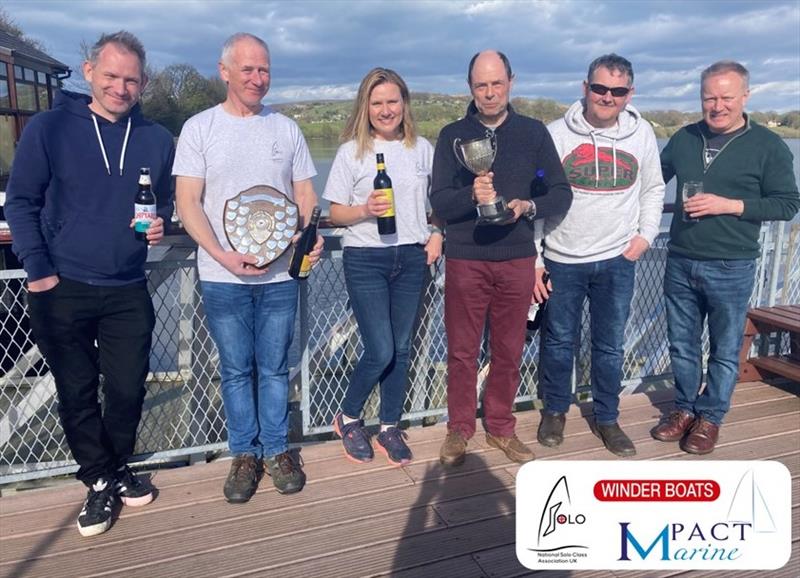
{"x": 260, "y": 221}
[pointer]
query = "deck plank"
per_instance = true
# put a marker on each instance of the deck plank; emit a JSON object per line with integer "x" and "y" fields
{"x": 371, "y": 519}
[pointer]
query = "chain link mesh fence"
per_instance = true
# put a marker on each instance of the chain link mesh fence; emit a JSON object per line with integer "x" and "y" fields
{"x": 183, "y": 412}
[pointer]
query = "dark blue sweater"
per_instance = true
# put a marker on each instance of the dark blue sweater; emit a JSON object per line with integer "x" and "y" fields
{"x": 70, "y": 211}
{"x": 523, "y": 147}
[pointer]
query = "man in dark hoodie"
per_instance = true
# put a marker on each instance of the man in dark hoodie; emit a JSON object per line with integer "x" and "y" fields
{"x": 490, "y": 269}
{"x": 70, "y": 213}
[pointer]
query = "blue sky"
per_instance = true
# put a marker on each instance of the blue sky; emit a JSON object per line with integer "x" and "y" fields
{"x": 323, "y": 49}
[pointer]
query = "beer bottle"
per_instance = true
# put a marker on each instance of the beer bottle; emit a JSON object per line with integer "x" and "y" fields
{"x": 300, "y": 265}
{"x": 144, "y": 205}
{"x": 382, "y": 183}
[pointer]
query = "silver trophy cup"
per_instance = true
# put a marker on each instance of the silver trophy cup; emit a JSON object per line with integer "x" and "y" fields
{"x": 477, "y": 156}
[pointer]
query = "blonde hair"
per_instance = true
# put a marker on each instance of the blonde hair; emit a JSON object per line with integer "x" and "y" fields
{"x": 358, "y": 127}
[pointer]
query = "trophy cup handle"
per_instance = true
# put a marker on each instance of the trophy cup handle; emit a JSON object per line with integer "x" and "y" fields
{"x": 458, "y": 152}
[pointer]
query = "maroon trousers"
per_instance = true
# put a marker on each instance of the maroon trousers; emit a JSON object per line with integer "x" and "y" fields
{"x": 474, "y": 289}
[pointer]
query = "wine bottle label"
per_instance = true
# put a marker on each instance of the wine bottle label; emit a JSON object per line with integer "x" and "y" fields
{"x": 143, "y": 215}
{"x": 305, "y": 266}
{"x": 389, "y": 194}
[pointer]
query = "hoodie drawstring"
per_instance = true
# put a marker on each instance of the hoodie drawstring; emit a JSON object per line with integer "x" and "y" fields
{"x": 614, "y": 156}
{"x": 103, "y": 148}
{"x": 597, "y": 158}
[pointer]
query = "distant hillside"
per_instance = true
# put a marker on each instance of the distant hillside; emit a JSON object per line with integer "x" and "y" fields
{"x": 325, "y": 119}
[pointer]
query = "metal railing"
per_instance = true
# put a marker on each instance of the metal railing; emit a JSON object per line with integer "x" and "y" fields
{"x": 183, "y": 409}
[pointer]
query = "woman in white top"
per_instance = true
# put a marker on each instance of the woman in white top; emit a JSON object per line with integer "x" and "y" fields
{"x": 384, "y": 274}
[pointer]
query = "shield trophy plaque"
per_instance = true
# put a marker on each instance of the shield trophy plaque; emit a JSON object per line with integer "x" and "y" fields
{"x": 477, "y": 156}
{"x": 260, "y": 221}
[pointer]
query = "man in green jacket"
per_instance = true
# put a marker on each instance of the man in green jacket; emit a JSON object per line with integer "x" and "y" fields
{"x": 747, "y": 177}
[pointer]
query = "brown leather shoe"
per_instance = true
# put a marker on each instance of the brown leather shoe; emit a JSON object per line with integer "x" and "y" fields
{"x": 515, "y": 450}
{"x": 453, "y": 449}
{"x": 702, "y": 437}
{"x": 551, "y": 429}
{"x": 673, "y": 428}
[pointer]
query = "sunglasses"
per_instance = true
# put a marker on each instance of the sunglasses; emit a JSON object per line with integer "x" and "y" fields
{"x": 602, "y": 89}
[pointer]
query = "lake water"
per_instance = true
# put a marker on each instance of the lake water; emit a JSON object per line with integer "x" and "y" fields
{"x": 323, "y": 153}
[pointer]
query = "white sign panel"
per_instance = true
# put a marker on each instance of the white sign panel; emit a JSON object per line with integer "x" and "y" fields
{"x": 709, "y": 515}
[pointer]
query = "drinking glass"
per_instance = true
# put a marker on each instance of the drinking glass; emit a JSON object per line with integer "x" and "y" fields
{"x": 690, "y": 189}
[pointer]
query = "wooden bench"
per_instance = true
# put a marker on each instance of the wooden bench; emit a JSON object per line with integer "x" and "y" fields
{"x": 763, "y": 320}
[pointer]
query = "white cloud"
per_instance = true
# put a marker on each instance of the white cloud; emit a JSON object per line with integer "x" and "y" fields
{"x": 321, "y": 49}
{"x": 301, "y": 93}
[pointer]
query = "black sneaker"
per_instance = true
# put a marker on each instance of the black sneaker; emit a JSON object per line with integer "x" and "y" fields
{"x": 287, "y": 476}
{"x": 130, "y": 489}
{"x": 242, "y": 479}
{"x": 392, "y": 443}
{"x": 95, "y": 517}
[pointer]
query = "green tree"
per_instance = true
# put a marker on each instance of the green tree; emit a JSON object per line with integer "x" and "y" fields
{"x": 178, "y": 92}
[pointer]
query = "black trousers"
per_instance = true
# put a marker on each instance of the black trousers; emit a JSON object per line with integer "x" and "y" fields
{"x": 84, "y": 330}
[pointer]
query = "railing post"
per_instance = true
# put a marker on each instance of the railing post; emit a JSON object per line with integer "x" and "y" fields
{"x": 777, "y": 258}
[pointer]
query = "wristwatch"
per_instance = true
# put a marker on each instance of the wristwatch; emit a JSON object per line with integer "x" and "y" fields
{"x": 530, "y": 212}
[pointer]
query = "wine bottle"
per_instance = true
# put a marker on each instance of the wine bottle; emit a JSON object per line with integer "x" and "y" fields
{"x": 300, "y": 264}
{"x": 537, "y": 310}
{"x": 382, "y": 183}
{"x": 144, "y": 206}
{"x": 539, "y": 184}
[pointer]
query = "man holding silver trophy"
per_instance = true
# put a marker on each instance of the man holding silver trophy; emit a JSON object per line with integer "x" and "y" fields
{"x": 484, "y": 170}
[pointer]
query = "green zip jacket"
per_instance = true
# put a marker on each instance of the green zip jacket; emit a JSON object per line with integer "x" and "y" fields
{"x": 755, "y": 166}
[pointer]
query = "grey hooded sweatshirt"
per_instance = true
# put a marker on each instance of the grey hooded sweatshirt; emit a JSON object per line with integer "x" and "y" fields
{"x": 617, "y": 187}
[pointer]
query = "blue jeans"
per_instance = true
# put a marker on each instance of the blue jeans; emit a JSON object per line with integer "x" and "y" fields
{"x": 252, "y": 326}
{"x": 385, "y": 286}
{"x": 718, "y": 291}
{"x": 609, "y": 286}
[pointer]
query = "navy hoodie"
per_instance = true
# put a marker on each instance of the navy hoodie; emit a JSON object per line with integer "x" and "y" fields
{"x": 68, "y": 208}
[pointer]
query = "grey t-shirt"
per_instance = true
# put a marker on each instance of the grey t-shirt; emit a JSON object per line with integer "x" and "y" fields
{"x": 233, "y": 154}
{"x": 350, "y": 182}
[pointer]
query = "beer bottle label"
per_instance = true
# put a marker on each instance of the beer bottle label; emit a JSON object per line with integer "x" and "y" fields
{"x": 143, "y": 216}
{"x": 389, "y": 194}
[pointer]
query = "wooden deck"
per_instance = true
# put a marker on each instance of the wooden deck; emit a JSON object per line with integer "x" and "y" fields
{"x": 364, "y": 520}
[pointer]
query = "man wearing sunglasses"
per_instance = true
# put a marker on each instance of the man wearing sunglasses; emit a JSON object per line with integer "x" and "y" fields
{"x": 610, "y": 156}
{"x": 747, "y": 178}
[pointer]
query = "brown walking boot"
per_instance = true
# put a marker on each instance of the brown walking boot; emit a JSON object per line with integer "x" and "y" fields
{"x": 453, "y": 449}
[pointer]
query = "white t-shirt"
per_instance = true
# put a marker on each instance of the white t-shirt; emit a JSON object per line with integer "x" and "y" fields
{"x": 233, "y": 154}
{"x": 350, "y": 182}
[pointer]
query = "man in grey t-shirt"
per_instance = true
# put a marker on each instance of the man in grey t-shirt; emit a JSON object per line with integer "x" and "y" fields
{"x": 223, "y": 151}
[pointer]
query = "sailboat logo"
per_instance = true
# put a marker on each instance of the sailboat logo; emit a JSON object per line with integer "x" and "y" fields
{"x": 748, "y": 506}
{"x": 555, "y": 512}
